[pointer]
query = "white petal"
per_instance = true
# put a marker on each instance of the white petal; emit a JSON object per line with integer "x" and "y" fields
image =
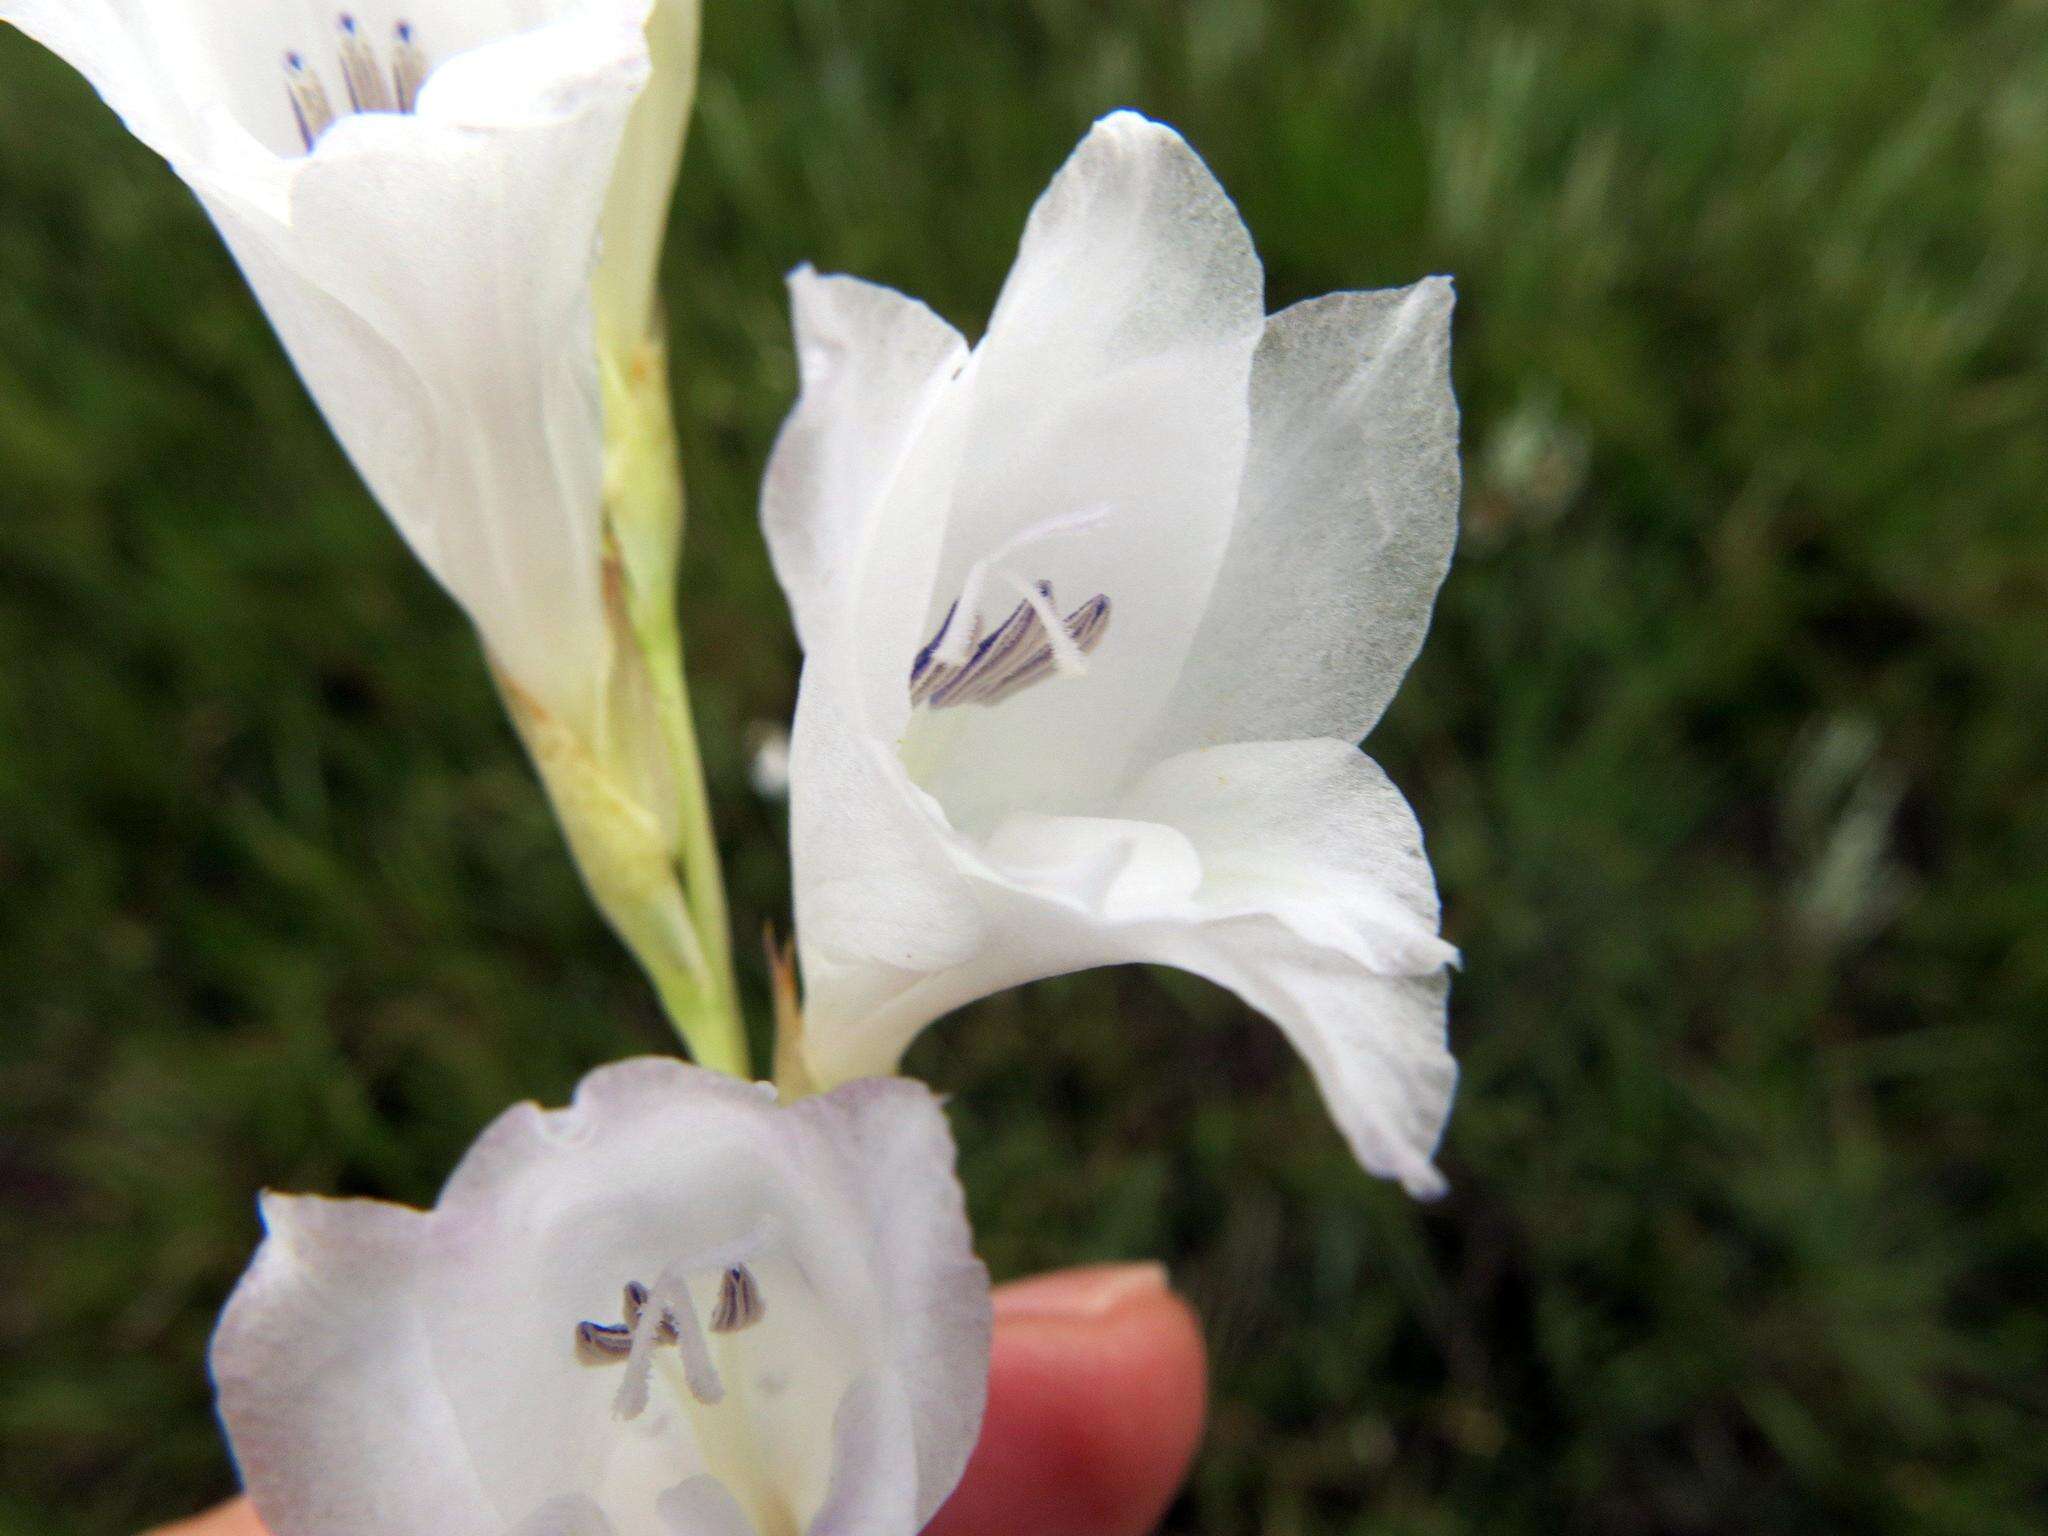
{"x": 1290, "y": 872}
{"x": 1349, "y": 512}
{"x": 873, "y": 364}
{"x": 624, "y": 1104}
{"x": 574, "y": 1515}
{"x": 892, "y": 1136}
{"x": 703, "y": 1506}
{"x": 1312, "y": 832}
{"x": 1374, "y": 1042}
{"x": 318, "y": 1362}
{"x": 1319, "y": 909}
{"x": 870, "y": 1433}
{"x": 879, "y": 899}
{"x": 1111, "y": 390}
{"x": 1111, "y": 869}
{"x": 1136, "y": 238}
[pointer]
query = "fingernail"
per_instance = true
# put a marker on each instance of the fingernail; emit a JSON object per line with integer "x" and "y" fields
{"x": 1078, "y": 1295}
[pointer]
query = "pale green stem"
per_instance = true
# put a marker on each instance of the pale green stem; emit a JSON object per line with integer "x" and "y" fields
{"x": 630, "y": 864}
{"x": 711, "y": 1030}
{"x": 644, "y": 511}
{"x": 703, "y": 879}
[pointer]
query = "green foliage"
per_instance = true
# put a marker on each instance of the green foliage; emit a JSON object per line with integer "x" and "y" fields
{"x": 1728, "y": 740}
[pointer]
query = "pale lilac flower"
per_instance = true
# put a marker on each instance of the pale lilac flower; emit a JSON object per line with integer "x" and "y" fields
{"x": 671, "y": 1309}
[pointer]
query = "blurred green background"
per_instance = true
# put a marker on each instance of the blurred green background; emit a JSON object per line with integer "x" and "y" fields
{"x": 1728, "y": 739}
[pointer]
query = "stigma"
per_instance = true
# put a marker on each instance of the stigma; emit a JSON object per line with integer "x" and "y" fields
{"x": 1033, "y": 643}
{"x": 387, "y": 84}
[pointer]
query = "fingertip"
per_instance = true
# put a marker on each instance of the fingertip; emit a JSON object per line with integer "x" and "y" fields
{"x": 1098, "y": 1388}
{"x": 234, "y": 1518}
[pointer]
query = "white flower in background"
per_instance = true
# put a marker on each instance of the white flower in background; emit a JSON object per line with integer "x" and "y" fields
{"x": 1094, "y": 616}
{"x": 671, "y": 1309}
{"x": 452, "y": 212}
{"x": 413, "y": 188}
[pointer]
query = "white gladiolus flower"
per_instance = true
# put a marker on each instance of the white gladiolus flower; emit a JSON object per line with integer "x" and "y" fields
{"x": 452, "y": 212}
{"x": 413, "y": 189}
{"x": 1094, "y": 616}
{"x": 671, "y": 1309}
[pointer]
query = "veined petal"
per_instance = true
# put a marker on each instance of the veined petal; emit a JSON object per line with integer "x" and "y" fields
{"x": 1349, "y": 512}
{"x": 855, "y": 489}
{"x": 1104, "y": 456}
{"x": 1137, "y": 242}
{"x": 385, "y": 1371}
{"x": 1319, "y": 909}
{"x": 1290, "y": 872}
{"x": 322, "y": 1331}
{"x": 1312, "y": 832}
{"x": 1376, "y": 1043}
{"x": 873, "y": 364}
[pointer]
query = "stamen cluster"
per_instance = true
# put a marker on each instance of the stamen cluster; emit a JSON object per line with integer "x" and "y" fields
{"x": 372, "y": 85}
{"x": 1022, "y": 650}
{"x": 665, "y": 1315}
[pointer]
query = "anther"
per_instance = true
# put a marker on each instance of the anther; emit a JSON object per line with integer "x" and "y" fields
{"x": 739, "y": 1301}
{"x": 371, "y": 86}
{"x": 408, "y": 68}
{"x": 310, "y": 107}
{"x": 1020, "y": 651}
{"x": 367, "y": 90}
{"x": 603, "y": 1343}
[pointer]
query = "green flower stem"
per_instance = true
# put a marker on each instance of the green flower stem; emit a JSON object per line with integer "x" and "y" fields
{"x": 710, "y": 1028}
{"x": 723, "y": 1042}
{"x": 644, "y": 512}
